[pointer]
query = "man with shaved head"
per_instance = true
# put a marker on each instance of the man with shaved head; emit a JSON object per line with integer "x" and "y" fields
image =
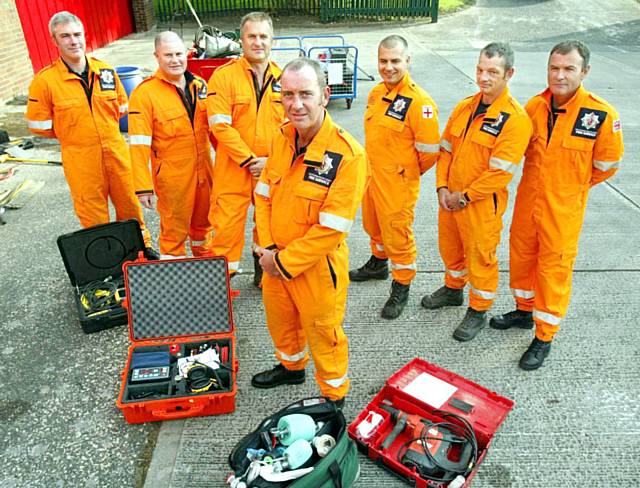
{"x": 168, "y": 125}
{"x": 402, "y": 142}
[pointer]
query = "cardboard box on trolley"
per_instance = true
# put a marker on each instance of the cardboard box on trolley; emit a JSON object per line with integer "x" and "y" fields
{"x": 181, "y": 360}
{"x": 417, "y": 427}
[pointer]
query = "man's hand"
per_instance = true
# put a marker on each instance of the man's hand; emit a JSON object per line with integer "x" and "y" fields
{"x": 256, "y": 166}
{"x": 443, "y": 199}
{"x": 268, "y": 263}
{"x": 454, "y": 200}
{"x": 147, "y": 200}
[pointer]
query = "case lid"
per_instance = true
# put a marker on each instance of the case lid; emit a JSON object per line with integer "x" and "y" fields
{"x": 443, "y": 389}
{"x": 178, "y": 298}
{"x": 97, "y": 252}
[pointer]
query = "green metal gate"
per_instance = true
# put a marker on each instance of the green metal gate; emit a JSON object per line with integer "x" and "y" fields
{"x": 325, "y": 10}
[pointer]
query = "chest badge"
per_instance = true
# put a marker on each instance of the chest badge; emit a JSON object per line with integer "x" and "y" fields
{"x": 398, "y": 108}
{"x": 327, "y": 165}
{"x": 590, "y": 121}
{"x": 107, "y": 79}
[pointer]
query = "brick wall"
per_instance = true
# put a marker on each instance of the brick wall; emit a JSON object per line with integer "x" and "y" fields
{"x": 16, "y": 71}
{"x": 143, "y": 15}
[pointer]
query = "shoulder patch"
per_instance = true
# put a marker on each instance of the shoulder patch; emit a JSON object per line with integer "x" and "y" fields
{"x": 275, "y": 86}
{"x": 588, "y": 123}
{"x": 325, "y": 173}
{"x": 494, "y": 126}
{"x": 617, "y": 125}
{"x": 399, "y": 107}
{"x": 107, "y": 79}
{"x": 427, "y": 111}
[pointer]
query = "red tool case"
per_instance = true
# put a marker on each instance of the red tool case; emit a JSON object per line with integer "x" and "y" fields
{"x": 410, "y": 390}
{"x": 177, "y": 308}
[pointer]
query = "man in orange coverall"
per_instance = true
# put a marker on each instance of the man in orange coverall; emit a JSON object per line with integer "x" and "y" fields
{"x": 168, "y": 122}
{"x": 245, "y": 109}
{"x": 79, "y": 100}
{"x": 481, "y": 147}
{"x": 402, "y": 142}
{"x": 576, "y": 143}
{"x": 306, "y": 202}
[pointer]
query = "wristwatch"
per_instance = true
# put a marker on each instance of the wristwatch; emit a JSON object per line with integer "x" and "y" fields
{"x": 463, "y": 200}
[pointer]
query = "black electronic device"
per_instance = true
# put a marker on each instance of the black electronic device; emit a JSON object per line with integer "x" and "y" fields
{"x": 157, "y": 373}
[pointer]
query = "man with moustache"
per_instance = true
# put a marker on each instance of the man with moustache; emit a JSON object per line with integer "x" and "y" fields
{"x": 306, "y": 203}
{"x": 576, "y": 144}
{"x": 79, "y": 100}
{"x": 402, "y": 143}
{"x": 244, "y": 109}
{"x": 481, "y": 147}
{"x": 168, "y": 124}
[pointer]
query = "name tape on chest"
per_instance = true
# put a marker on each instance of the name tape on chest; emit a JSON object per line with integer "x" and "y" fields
{"x": 107, "y": 79}
{"x": 399, "y": 107}
{"x": 326, "y": 173}
{"x": 494, "y": 126}
{"x": 588, "y": 122}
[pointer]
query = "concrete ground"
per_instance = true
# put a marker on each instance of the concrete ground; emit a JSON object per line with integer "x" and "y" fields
{"x": 576, "y": 420}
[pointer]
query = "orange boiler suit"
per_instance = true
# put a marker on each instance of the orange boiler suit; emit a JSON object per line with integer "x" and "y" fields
{"x": 305, "y": 207}
{"x": 243, "y": 122}
{"x": 478, "y": 157}
{"x": 402, "y": 142}
{"x": 84, "y": 118}
{"x": 563, "y": 161}
{"x": 171, "y": 127}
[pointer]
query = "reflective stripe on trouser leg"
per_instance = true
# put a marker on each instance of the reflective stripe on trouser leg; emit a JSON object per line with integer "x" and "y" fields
{"x": 547, "y": 325}
{"x": 230, "y": 204}
{"x": 371, "y": 226}
{"x": 394, "y": 195}
{"x": 283, "y": 322}
{"x": 523, "y": 257}
{"x": 451, "y": 250}
{"x": 321, "y": 310}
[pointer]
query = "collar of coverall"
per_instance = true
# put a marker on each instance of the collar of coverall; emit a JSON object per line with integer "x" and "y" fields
{"x": 580, "y": 92}
{"x": 67, "y": 74}
{"x": 271, "y": 68}
{"x": 406, "y": 79}
{"x": 314, "y": 156}
{"x": 493, "y": 112}
{"x": 189, "y": 78}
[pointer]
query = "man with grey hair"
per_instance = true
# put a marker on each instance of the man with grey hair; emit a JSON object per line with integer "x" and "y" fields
{"x": 79, "y": 100}
{"x": 576, "y": 144}
{"x": 402, "y": 143}
{"x": 244, "y": 109}
{"x": 306, "y": 202}
{"x": 168, "y": 125}
{"x": 481, "y": 148}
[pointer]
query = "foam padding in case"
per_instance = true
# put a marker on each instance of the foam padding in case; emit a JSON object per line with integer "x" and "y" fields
{"x": 178, "y": 298}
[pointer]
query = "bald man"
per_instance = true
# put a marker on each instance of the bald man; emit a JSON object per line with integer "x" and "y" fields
{"x": 168, "y": 125}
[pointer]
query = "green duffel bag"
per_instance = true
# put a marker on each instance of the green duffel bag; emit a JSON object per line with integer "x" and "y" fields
{"x": 338, "y": 469}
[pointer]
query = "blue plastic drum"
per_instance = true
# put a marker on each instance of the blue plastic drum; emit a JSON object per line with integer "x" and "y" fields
{"x": 130, "y": 76}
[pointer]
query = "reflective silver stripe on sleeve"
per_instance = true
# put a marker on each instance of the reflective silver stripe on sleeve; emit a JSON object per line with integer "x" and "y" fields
{"x": 336, "y": 383}
{"x": 137, "y": 140}
{"x": 219, "y": 119}
{"x": 446, "y": 145}
{"x": 605, "y": 165}
{"x": 292, "y": 357}
{"x": 124, "y": 108}
{"x": 546, "y": 317}
{"x": 262, "y": 189}
{"x": 456, "y": 274}
{"x": 233, "y": 265}
{"x": 40, "y": 124}
{"x": 403, "y": 266}
{"x": 335, "y": 222}
{"x": 518, "y": 293}
{"x": 427, "y": 148}
{"x": 502, "y": 164}
{"x": 487, "y": 295}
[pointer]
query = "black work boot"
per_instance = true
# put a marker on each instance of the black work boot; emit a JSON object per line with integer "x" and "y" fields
{"x": 374, "y": 269}
{"x": 397, "y": 300}
{"x": 443, "y": 297}
{"x": 515, "y": 318}
{"x": 277, "y": 376}
{"x": 472, "y": 323}
{"x": 257, "y": 271}
{"x": 534, "y": 356}
{"x": 151, "y": 254}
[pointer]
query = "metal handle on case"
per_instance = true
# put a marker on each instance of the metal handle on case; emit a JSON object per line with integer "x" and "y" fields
{"x": 177, "y": 414}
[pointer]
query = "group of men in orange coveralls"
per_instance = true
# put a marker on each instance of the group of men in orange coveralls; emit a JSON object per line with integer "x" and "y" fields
{"x": 278, "y": 148}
